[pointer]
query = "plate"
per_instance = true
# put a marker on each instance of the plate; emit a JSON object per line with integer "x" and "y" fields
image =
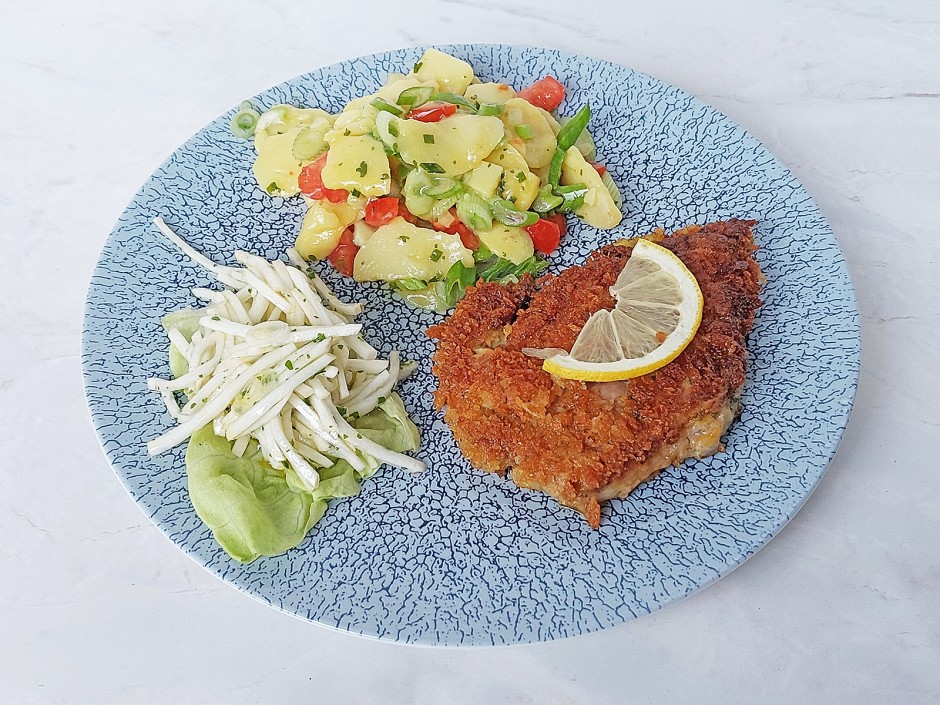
{"x": 456, "y": 556}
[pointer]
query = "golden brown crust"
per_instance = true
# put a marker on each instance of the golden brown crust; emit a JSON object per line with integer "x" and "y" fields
{"x": 574, "y": 439}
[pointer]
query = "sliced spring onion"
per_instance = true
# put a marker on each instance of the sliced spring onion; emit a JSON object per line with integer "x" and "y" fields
{"x": 244, "y": 121}
{"x": 415, "y": 201}
{"x": 524, "y": 131}
{"x": 473, "y": 210}
{"x": 308, "y": 144}
{"x": 441, "y": 206}
{"x": 572, "y": 129}
{"x": 432, "y": 167}
{"x": 413, "y": 97}
{"x": 612, "y": 189}
{"x": 456, "y": 100}
{"x": 383, "y": 104}
{"x": 554, "y": 169}
{"x": 490, "y": 109}
{"x": 572, "y": 196}
{"x": 507, "y": 214}
{"x": 546, "y": 201}
{"x": 441, "y": 187}
{"x": 410, "y": 284}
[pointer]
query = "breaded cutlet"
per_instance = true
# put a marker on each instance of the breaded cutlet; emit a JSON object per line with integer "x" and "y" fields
{"x": 584, "y": 442}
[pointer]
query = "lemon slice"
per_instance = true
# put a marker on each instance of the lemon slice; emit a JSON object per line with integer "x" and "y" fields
{"x": 658, "y": 311}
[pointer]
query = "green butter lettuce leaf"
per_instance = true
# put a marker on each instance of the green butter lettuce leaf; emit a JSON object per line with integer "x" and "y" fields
{"x": 256, "y": 510}
{"x": 246, "y": 503}
{"x": 389, "y": 425}
{"x": 186, "y": 321}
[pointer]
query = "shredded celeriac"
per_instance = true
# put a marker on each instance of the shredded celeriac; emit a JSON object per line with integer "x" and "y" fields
{"x": 278, "y": 358}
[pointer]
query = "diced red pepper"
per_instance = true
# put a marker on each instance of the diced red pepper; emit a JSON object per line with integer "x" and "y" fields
{"x": 343, "y": 255}
{"x": 545, "y": 235}
{"x": 546, "y": 93}
{"x": 467, "y": 236}
{"x": 310, "y": 183}
{"x": 381, "y": 211}
{"x": 599, "y": 168}
{"x": 432, "y": 112}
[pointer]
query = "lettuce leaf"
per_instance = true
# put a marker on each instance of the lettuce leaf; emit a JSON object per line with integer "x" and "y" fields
{"x": 389, "y": 425}
{"x": 246, "y": 503}
{"x": 256, "y": 510}
{"x": 186, "y": 321}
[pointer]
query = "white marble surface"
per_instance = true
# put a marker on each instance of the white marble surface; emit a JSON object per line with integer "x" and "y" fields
{"x": 96, "y": 606}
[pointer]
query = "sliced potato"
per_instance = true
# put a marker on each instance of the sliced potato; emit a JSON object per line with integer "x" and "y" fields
{"x": 550, "y": 119}
{"x": 357, "y": 163}
{"x": 322, "y": 227}
{"x": 456, "y": 144}
{"x": 513, "y": 244}
{"x": 449, "y": 72}
{"x": 276, "y": 168}
{"x": 497, "y": 93}
{"x": 401, "y": 250}
{"x": 362, "y": 232}
{"x": 353, "y": 121}
{"x": 518, "y": 184}
{"x": 599, "y": 208}
{"x": 280, "y": 118}
{"x": 484, "y": 179}
{"x": 540, "y": 147}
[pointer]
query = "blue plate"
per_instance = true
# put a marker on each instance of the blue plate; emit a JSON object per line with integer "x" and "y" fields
{"x": 457, "y": 556}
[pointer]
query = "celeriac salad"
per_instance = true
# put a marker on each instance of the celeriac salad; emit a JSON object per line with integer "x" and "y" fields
{"x": 285, "y": 405}
{"x": 435, "y": 181}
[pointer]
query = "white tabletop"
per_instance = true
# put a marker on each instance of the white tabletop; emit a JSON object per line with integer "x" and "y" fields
{"x": 96, "y": 606}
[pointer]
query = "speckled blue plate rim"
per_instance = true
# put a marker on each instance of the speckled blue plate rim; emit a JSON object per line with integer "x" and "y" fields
{"x": 849, "y": 362}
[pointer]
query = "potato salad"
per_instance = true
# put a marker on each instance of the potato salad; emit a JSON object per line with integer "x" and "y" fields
{"x": 435, "y": 181}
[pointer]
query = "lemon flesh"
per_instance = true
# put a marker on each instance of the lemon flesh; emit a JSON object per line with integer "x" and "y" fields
{"x": 658, "y": 311}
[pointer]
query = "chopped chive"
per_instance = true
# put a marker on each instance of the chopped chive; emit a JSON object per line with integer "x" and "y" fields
{"x": 429, "y": 139}
{"x": 362, "y": 169}
{"x": 455, "y": 99}
{"x": 288, "y": 364}
{"x": 417, "y": 66}
{"x": 272, "y": 189}
{"x": 383, "y": 104}
{"x": 415, "y": 96}
{"x": 521, "y": 177}
{"x": 432, "y": 167}
{"x": 436, "y": 255}
{"x": 356, "y": 192}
